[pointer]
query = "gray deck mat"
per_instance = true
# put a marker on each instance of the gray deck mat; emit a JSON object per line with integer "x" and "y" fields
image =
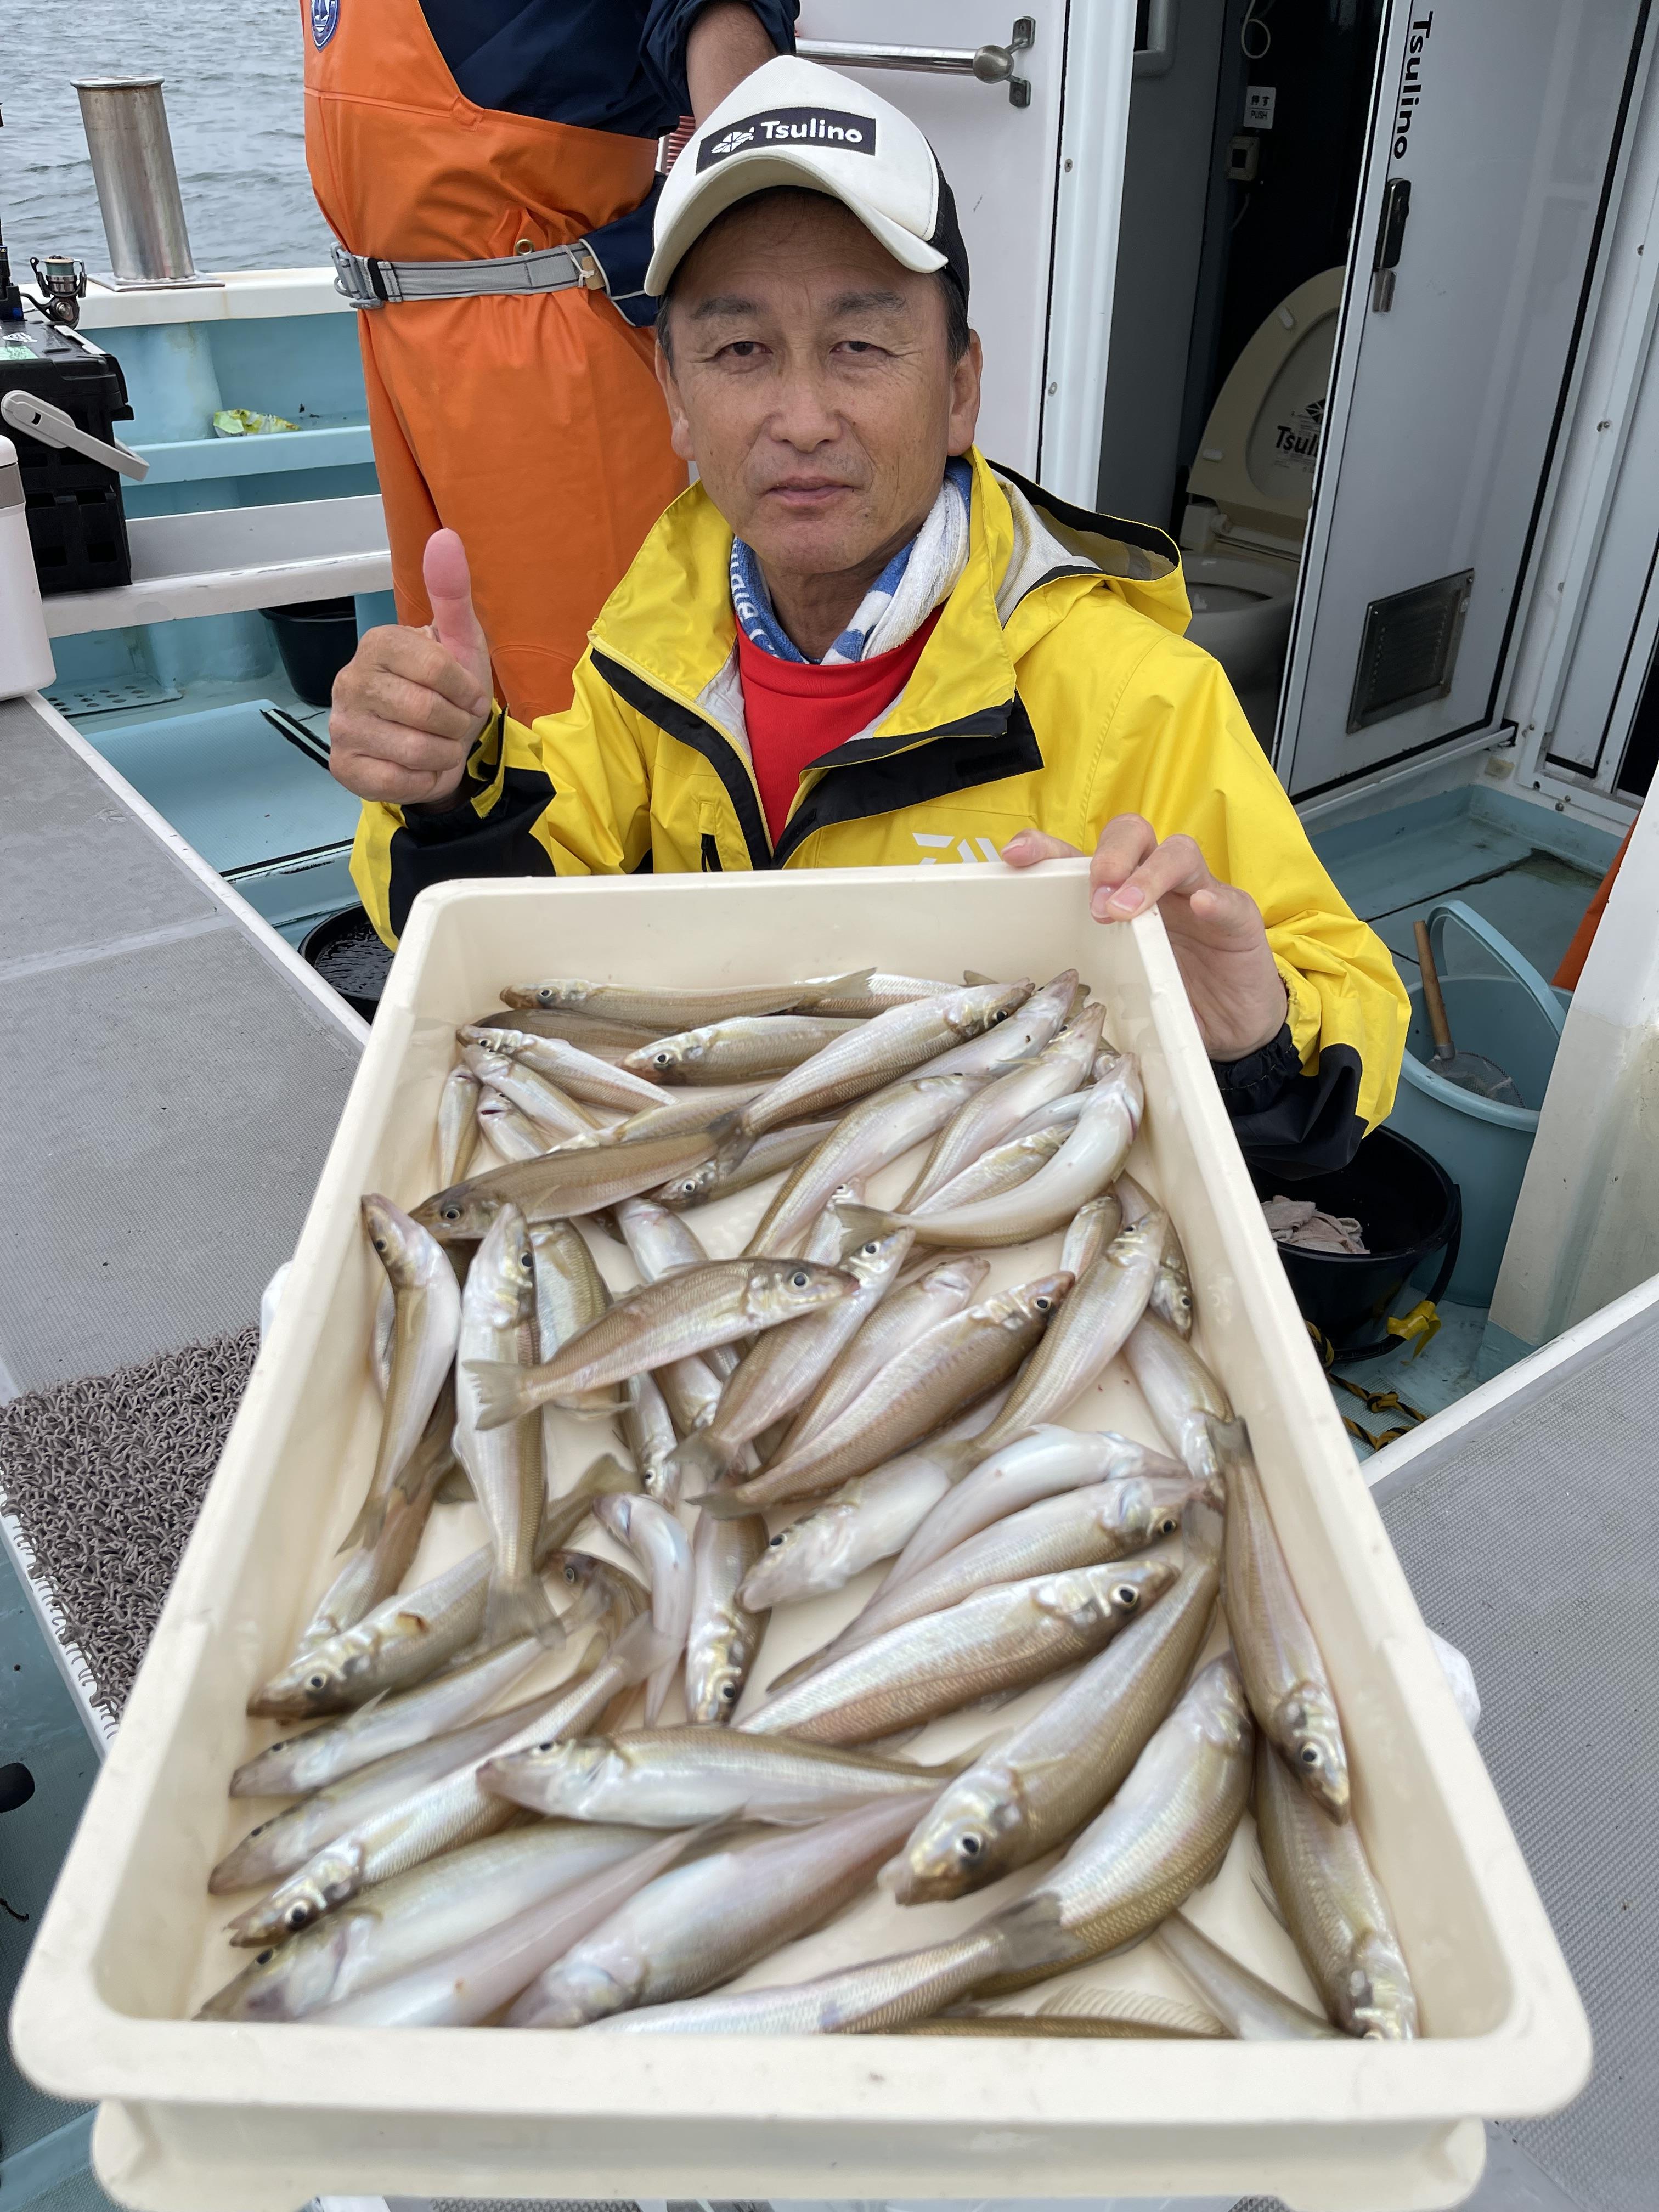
{"x": 1529, "y": 1543}
{"x": 166, "y": 1091}
{"x": 105, "y": 1476}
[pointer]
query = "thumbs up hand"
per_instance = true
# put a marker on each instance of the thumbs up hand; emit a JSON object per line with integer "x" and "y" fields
{"x": 409, "y": 704}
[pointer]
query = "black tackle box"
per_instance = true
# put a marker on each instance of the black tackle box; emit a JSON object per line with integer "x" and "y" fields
{"x": 78, "y": 526}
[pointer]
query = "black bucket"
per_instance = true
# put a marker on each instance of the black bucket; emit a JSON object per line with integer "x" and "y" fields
{"x": 347, "y": 954}
{"x": 1408, "y": 1208}
{"x": 315, "y": 638}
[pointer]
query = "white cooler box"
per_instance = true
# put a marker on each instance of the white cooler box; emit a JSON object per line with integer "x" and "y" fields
{"x": 199, "y": 2116}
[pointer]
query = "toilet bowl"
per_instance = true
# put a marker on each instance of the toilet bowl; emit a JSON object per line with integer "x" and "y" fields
{"x": 1241, "y": 612}
{"x": 1249, "y": 488}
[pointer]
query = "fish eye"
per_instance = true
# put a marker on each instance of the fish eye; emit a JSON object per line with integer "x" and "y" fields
{"x": 1309, "y": 1754}
{"x": 570, "y": 1573}
{"x": 549, "y": 1744}
{"x": 869, "y": 1251}
{"x": 450, "y": 1213}
{"x": 728, "y": 1693}
{"x": 662, "y": 1059}
{"x": 1001, "y": 1015}
{"x": 544, "y": 997}
{"x": 1166, "y": 1527}
{"x": 297, "y": 1914}
{"x": 970, "y": 1845}
{"x": 800, "y": 1278}
{"x": 380, "y": 1243}
{"x": 264, "y": 1958}
{"x": 772, "y": 1542}
{"x": 1127, "y": 1595}
{"x": 1042, "y": 1304}
{"x": 316, "y": 1681}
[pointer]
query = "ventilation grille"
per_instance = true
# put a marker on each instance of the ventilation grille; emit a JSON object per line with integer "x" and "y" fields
{"x": 1409, "y": 649}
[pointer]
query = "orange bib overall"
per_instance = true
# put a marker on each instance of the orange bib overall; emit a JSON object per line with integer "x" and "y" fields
{"x": 531, "y": 423}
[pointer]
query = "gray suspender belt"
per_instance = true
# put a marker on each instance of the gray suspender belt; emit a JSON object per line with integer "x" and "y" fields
{"x": 367, "y": 282}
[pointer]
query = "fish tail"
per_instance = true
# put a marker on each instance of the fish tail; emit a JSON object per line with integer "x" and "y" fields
{"x": 703, "y": 1455}
{"x": 1030, "y": 1939}
{"x": 504, "y": 1391}
{"x": 520, "y": 1607}
{"x": 658, "y": 1686}
{"x": 723, "y": 1505}
{"x": 863, "y": 1222}
{"x": 365, "y": 1531}
{"x": 1202, "y": 1524}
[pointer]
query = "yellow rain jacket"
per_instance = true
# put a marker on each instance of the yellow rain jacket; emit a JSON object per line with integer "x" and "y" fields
{"x": 1056, "y": 691}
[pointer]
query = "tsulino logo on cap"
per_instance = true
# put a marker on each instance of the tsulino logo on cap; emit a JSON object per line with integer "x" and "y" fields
{"x": 830, "y": 127}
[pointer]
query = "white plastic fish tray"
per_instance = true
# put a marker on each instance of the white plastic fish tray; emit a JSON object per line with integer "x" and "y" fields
{"x": 201, "y": 2114}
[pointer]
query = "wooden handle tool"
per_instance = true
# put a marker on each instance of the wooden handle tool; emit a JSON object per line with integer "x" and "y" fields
{"x": 1431, "y": 999}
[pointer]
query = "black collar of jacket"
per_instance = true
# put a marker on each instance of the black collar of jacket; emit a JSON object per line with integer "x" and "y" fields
{"x": 864, "y": 777}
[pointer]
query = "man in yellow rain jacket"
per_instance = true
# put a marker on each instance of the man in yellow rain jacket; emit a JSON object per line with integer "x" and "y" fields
{"x": 824, "y": 656}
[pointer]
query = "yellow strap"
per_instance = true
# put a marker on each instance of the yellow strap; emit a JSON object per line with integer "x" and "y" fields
{"x": 1417, "y": 1327}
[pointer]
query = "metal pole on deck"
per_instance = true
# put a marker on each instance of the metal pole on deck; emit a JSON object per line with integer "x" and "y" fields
{"x": 132, "y": 165}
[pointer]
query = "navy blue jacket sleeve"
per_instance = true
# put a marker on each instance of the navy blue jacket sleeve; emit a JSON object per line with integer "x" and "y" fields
{"x": 668, "y": 26}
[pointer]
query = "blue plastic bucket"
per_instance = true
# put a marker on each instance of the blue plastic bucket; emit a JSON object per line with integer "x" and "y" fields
{"x": 1516, "y": 1019}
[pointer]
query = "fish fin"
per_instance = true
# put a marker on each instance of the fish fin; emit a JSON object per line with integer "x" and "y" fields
{"x": 521, "y": 1608}
{"x": 1201, "y": 1527}
{"x": 1231, "y": 1440}
{"x": 500, "y": 1387}
{"x": 455, "y": 1489}
{"x": 722, "y": 1505}
{"x": 365, "y": 1531}
{"x": 972, "y": 975}
{"x": 592, "y": 1405}
{"x": 837, "y": 987}
{"x": 864, "y": 1222}
{"x": 960, "y": 1761}
{"x": 642, "y": 1649}
{"x": 704, "y": 1455}
{"x": 802, "y": 1667}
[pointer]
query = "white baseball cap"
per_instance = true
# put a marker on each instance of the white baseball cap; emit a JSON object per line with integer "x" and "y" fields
{"x": 794, "y": 123}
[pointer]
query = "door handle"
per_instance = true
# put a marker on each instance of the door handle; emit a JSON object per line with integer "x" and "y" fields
{"x": 38, "y": 418}
{"x": 1397, "y": 206}
{"x": 989, "y": 64}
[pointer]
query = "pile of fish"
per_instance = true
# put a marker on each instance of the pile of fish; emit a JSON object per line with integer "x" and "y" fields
{"x": 499, "y": 1816}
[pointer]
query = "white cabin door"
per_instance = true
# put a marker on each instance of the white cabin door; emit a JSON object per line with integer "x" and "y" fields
{"x": 1495, "y": 145}
{"x": 1035, "y": 160}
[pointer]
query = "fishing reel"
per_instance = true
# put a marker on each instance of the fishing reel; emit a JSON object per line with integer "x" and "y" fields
{"x": 62, "y": 285}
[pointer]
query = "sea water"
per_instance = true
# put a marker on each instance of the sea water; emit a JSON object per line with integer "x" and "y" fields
{"x": 233, "y": 91}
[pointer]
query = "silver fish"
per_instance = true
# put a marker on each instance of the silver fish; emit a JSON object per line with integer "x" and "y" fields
{"x": 1279, "y": 1655}
{"x": 1120, "y": 2015}
{"x": 1017, "y": 1039}
{"x": 649, "y": 1433}
{"x": 1060, "y": 1112}
{"x": 997, "y": 1110}
{"x": 596, "y": 1033}
{"x": 1003, "y": 1168}
{"x": 873, "y": 992}
{"x": 1250, "y": 2009}
{"x": 1165, "y": 1831}
{"x": 1172, "y": 1293}
{"x": 697, "y": 1108}
{"x": 874, "y": 1131}
{"x": 1180, "y": 1390}
{"x": 1041, "y": 1465}
{"x": 450, "y": 1811}
{"x": 458, "y": 1124}
{"x": 425, "y": 1332}
{"x": 658, "y": 1010}
{"x": 880, "y": 1051}
{"x": 1084, "y": 1165}
{"x": 748, "y": 1048}
{"x": 682, "y": 1314}
{"x": 1080, "y": 1528}
{"x": 1334, "y": 1907}
{"x": 788, "y": 1363}
{"x": 733, "y": 1168}
{"x": 902, "y": 1319}
{"x": 1093, "y": 1227}
{"x": 657, "y": 1540}
{"x": 878, "y": 1998}
{"x": 1024, "y": 1796}
{"x": 507, "y": 1131}
{"x": 538, "y": 1099}
{"x": 867, "y": 1519}
{"x": 1002, "y": 1639}
{"x": 289, "y": 1838}
{"x": 498, "y": 1322}
{"x": 958, "y": 1361}
{"x": 374, "y": 1567}
{"x": 658, "y": 1241}
{"x": 671, "y": 1777}
{"x": 706, "y": 1921}
{"x": 574, "y": 1179}
{"x": 581, "y": 1076}
{"x": 328, "y": 1753}
{"x": 400, "y": 1925}
{"x": 1091, "y": 1328}
{"x": 570, "y": 1296}
{"x": 724, "y": 1635}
